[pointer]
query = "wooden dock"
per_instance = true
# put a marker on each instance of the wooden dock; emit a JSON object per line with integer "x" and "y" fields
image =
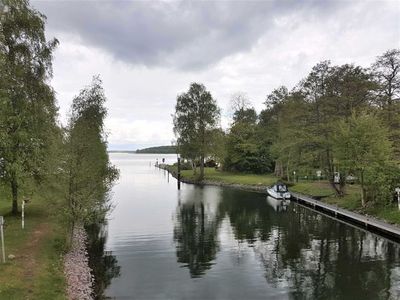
{"x": 369, "y": 223}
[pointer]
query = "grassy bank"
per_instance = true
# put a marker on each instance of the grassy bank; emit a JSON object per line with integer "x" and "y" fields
{"x": 319, "y": 189}
{"x": 37, "y": 270}
{"x": 211, "y": 174}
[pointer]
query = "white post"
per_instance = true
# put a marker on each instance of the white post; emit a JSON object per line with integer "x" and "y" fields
{"x": 23, "y": 214}
{"x": 397, "y": 190}
{"x": 2, "y": 239}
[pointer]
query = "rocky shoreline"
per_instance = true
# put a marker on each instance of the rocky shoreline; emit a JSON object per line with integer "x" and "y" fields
{"x": 78, "y": 274}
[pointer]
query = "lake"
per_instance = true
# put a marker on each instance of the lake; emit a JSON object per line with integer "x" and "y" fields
{"x": 221, "y": 243}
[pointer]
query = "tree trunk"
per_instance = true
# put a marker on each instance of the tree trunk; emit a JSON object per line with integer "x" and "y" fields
{"x": 278, "y": 169}
{"x": 287, "y": 172}
{"x": 342, "y": 182}
{"x": 14, "y": 192}
{"x": 362, "y": 189}
{"x": 201, "y": 177}
{"x": 330, "y": 173}
{"x": 194, "y": 167}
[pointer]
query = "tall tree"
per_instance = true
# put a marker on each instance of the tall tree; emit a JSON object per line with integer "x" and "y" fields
{"x": 196, "y": 115}
{"x": 386, "y": 71}
{"x": 89, "y": 171}
{"x": 332, "y": 93}
{"x": 270, "y": 121}
{"x": 362, "y": 146}
{"x": 294, "y": 148}
{"x": 27, "y": 107}
{"x": 245, "y": 151}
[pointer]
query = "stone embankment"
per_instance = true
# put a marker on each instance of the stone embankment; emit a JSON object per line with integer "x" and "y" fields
{"x": 76, "y": 267}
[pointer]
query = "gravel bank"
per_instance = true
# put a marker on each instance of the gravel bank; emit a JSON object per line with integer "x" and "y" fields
{"x": 76, "y": 267}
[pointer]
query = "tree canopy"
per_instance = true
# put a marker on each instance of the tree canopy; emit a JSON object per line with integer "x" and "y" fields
{"x": 196, "y": 116}
{"x": 27, "y": 107}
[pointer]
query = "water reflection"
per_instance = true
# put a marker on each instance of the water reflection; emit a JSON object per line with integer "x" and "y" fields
{"x": 196, "y": 233}
{"x": 334, "y": 260}
{"x": 312, "y": 256}
{"x": 278, "y": 205}
{"x": 218, "y": 243}
{"x": 104, "y": 265}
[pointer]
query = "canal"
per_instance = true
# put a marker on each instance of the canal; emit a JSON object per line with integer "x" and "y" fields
{"x": 220, "y": 243}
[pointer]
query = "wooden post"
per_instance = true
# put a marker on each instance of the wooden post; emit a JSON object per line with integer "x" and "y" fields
{"x": 2, "y": 238}
{"x": 23, "y": 214}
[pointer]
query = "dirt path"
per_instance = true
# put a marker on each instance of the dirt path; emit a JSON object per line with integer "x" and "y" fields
{"x": 29, "y": 254}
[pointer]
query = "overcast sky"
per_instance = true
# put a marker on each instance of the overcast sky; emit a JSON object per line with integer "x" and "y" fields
{"x": 147, "y": 52}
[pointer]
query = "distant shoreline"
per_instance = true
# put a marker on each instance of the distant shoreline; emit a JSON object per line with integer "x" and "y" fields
{"x": 134, "y": 152}
{"x": 150, "y": 150}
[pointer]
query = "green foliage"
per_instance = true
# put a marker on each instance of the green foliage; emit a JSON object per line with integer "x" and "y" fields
{"x": 244, "y": 153}
{"x": 90, "y": 174}
{"x": 362, "y": 146}
{"x": 386, "y": 72}
{"x": 195, "y": 119}
{"x": 160, "y": 149}
{"x": 27, "y": 105}
{"x": 337, "y": 119}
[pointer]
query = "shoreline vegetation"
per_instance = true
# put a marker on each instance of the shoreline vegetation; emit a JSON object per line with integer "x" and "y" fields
{"x": 340, "y": 125}
{"x": 61, "y": 175}
{"x": 49, "y": 257}
{"x": 150, "y": 150}
{"x": 320, "y": 190}
{"x": 339, "y": 118}
{"x": 158, "y": 150}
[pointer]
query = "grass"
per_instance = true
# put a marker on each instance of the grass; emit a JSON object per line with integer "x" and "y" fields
{"x": 37, "y": 270}
{"x": 232, "y": 178}
{"x": 320, "y": 189}
{"x": 351, "y": 200}
{"x": 390, "y": 214}
{"x": 313, "y": 188}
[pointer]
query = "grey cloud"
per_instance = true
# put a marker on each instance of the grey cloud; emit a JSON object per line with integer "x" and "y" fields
{"x": 181, "y": 34}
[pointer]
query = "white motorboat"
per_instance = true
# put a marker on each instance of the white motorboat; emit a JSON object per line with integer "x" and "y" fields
{"x": 279, "y": 191}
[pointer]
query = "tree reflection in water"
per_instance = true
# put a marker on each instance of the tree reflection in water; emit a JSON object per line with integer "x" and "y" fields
{"x": 104, "y": 265}
{"x": 313, "y": 256}
{"x": 195, "y": 234}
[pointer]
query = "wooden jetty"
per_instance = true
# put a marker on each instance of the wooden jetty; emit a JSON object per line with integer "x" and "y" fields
{"x": 369, "y": 223}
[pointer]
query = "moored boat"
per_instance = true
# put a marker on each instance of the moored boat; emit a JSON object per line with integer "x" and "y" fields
{"x": 279, "y": 191}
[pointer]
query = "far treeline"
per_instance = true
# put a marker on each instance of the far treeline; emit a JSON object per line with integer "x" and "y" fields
{"x": 158, "y": 150}
{"x": 35, "y": 150}
{"x": 342, "y": 119}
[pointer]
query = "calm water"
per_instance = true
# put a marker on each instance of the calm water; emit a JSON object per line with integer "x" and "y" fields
{"x": 219, "y": 243}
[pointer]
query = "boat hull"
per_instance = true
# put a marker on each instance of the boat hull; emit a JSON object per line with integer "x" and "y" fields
{"x": 278, "y": 195}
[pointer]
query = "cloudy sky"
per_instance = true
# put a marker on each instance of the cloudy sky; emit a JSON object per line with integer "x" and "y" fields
{"x": 147, "y": 52}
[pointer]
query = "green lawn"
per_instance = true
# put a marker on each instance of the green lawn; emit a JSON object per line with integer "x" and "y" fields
{"x": 233, "y": 178}
{"x": 313, "y": 188}
{"x": 37, "y": 270}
